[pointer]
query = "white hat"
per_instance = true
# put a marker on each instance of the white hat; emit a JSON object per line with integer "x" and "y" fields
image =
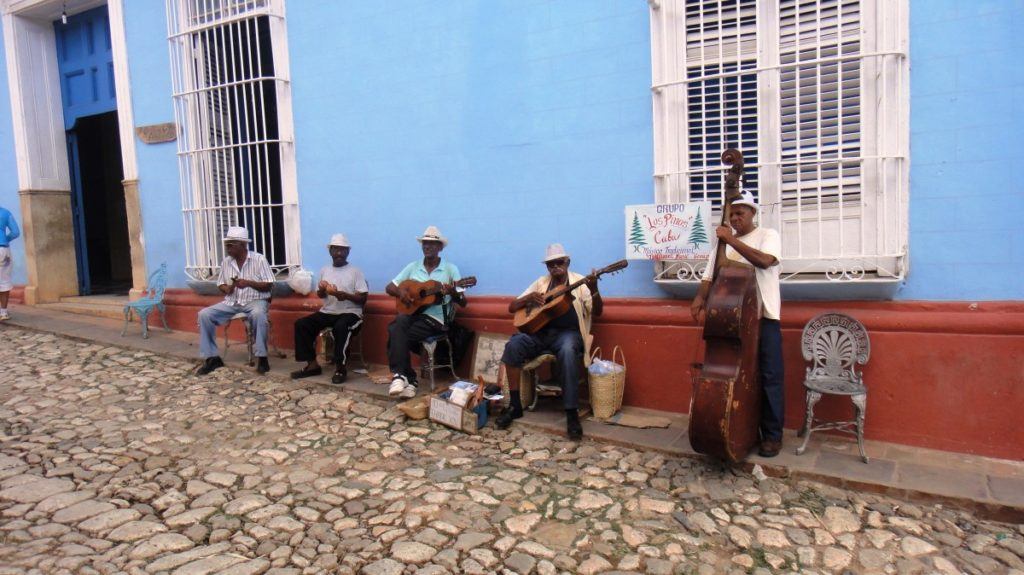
{"x": 339, "y": 240}
{"x": 237, "y": 234}
{"x": 432, "y": 234}
{"x": 554, "y": 252}
{"x": 746, "y": 199}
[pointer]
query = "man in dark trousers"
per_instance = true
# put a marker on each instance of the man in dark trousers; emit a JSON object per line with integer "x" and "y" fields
{"x": 567, "y": 337}
{"x": 408, "y": 331}
{"x": 760, "y": 247}
{"x": 344, "y": 289}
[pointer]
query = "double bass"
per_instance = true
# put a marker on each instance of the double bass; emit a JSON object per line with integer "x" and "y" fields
{"x": 725, "y": 407}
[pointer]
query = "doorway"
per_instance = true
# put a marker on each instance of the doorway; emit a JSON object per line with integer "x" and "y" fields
{"x": 89, "y": 102}
{"x": 98, "y": 206}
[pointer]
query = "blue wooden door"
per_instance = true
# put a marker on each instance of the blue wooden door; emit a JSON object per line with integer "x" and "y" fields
{"x": 86, "y": 65}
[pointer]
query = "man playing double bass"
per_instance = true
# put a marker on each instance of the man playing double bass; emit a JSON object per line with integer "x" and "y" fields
{"x": 760, "y": 247}
{"x": 567, "y": 337}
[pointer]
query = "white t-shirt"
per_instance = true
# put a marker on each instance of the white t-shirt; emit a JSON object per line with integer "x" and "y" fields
{"x": 349, "y": 279}
{"x": 764, "y": 240}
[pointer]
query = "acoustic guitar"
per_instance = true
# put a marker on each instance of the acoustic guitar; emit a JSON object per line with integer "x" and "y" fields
{"x": 426, "y": 294}
{"x": 557, "y": 301}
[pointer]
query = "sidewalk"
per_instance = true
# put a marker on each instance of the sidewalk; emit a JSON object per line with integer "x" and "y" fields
{"x": 992, "y": 488}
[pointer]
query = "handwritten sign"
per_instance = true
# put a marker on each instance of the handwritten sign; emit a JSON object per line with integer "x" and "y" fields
{"x": 445, "y": 413}
{"x": 669, "y": 231}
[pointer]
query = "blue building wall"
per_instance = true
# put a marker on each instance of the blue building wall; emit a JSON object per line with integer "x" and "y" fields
{"x": 510, "y": 125}
{"x": 514, "y": 124}
{"x": 966, "y": 142}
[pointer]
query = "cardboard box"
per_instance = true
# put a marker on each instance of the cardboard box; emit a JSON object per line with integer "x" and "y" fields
{"x": 455, "y": 416}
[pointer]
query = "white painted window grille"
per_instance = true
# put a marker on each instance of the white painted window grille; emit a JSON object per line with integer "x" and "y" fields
{"x": 232, "y": 105}
{"x": 814, "y": 93}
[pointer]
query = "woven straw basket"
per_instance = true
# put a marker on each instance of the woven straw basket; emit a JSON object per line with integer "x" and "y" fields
{"x": 606, "y": 389}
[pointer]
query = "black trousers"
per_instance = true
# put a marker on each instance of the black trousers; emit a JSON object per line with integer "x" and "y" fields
{"x": 404, "y": 335}
{"x": 343, "y": 325}
{"x": 769, "y": 359}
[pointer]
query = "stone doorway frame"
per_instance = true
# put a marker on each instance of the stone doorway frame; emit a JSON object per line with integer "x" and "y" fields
{"x": 44, "y": 185}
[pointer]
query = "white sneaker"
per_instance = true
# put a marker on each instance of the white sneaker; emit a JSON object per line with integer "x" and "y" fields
{"x": 5, "y": 315}
{"x": 398, "y": 383}
{"x": 409, "y": 392}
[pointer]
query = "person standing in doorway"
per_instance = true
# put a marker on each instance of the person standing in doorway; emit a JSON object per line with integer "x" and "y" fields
{"x": 8, "y": 232}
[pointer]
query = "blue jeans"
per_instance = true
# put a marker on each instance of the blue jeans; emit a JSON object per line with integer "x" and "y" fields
{"x": 769, "y": 359}
{"x": 220, "y": 313}
{"x": 565, "y": 344}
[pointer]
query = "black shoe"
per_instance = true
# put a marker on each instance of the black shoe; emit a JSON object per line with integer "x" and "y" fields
{"x": 340, "y": 375}
{"x": 770, "y": 448}
{"x": 210, "y": 364}
{"x": 573, "y": 427}
{"x": 506, "y": 417}
{"x": 262, "y": 365}
{"x": 304, "y": 372}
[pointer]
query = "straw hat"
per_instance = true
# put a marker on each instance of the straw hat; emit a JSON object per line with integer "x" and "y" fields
{"x": 432, "y": 234}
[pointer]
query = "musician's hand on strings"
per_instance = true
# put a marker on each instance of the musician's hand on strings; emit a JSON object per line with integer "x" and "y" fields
{"x": 535, "y": 299}
{"x": 592, "y": 281}
{"x": 724, "y": 233}
{"x": 406, "y": 297}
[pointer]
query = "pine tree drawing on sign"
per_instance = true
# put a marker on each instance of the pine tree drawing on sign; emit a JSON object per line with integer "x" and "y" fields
{"x": 636, "y": 234}
{"x": 697, "y": 234}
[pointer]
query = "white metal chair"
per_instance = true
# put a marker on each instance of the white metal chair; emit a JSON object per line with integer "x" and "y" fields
{"x": 835, "y": 343}
{"x": 428, "y": 357}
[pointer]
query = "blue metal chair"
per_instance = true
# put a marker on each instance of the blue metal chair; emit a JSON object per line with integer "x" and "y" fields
{"x": 152, "y": 298}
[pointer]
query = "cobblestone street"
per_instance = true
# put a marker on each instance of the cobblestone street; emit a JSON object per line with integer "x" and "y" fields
{"x": 121, "y": 461}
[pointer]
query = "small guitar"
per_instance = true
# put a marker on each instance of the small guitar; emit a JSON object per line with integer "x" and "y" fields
{"x": 557, "y": 302}
{"x": 425, "y": 294}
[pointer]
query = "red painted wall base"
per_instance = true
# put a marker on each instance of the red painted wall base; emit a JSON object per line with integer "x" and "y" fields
{"x": 942, "y": 375}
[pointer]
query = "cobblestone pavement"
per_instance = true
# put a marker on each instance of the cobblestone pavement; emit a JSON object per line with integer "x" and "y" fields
{"x": 120, "y": 461}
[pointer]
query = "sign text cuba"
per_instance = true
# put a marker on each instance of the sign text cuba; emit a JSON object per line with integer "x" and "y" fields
{"x": 669, "y": 231}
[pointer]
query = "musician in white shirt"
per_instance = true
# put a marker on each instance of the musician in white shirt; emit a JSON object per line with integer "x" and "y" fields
{"x": 762, "y": 248}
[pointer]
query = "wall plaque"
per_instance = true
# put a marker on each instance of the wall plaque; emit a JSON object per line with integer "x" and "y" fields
{"x": 157, "y": 133}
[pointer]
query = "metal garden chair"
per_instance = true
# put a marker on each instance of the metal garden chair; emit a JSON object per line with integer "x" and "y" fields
{"x": 152, "y": 299}
{"x": 835, "y": 343}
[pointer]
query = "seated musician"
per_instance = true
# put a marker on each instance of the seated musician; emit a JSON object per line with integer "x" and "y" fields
{"x": 408, "y": 331}
{"x": 567, "y": 337}
{"x": 344, "y": 290}
{"x": 245, "y": 280}
{"x": 760, "y": 247}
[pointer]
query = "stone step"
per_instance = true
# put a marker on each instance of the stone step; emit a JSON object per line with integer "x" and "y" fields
{"x": 99, "y": 306}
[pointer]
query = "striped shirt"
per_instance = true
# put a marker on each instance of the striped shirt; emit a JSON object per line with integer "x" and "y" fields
{"x": 255, "y": 268}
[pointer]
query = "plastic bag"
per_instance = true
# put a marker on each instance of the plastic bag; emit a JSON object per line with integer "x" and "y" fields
{"x": 301, "y": 281}
{"x": 604, "y": 367}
